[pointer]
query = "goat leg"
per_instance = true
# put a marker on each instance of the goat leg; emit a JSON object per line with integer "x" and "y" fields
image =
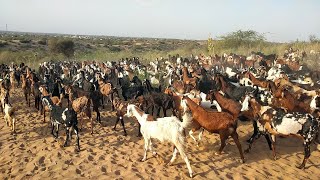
{"x": 111, "y": 99}
{"x": 57, "y": 131}
{"x": 98, "y": 116}
{"x": 52, "y": 129}
{"x": 235, "y": 137}
{"x": 174, "y": 156}
{"x": 223, "y": 138}
{"x": 139, "y": 132}
{"x": 122, "y": 123}
{"x": 306, "y": 155}
{"x": 253, "y": 138}
{"x": 67, "y": 137}
{"x": 76, "y": 130}
{"x": 159, "y": 109}
{"x": 164, "y": 109}
{"x": 255, "y": 131}
{"x": 273, "y": 145}
{"x": 115, "y": 125}
{"x": 91, "y": 125}
{"x": 146, "y": 146}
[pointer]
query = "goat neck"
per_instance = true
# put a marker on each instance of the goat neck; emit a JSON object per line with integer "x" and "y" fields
{"x": 133, "y": 110}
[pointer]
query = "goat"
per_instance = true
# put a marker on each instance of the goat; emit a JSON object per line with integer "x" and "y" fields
{"x": 94, "y": 96}
{"x": 106, "y": 89}
{"x": 82, "y": 105}
{"x": 26, "y": 87}
{"x": 164, "y": 129}
{"x": 159, "y": 100}
{"x": 8, "y": 109}
{"x": 55, "y": 100}
{"x": 278, "y": 122}
{"x": 186, "y": 79}
{"x": 215, "y": 122}
{"x": 65, "y": 116}
{"x": 121, "y": 107}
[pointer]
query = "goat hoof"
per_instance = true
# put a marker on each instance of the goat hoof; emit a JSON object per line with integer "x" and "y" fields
{"x": 247, "y": 151}
{"x": 191, "y": 176}
{"x": 169, "y": 164}
{"x": 300, "y": 167}
{"x": 142, "y": 160}
{"x": 217, "y": 153}
{"x": 125, "y": 134}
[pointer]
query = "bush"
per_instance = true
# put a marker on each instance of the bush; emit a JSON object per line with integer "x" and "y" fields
{"x": 65, "y": 47}
{"x": 114, "y": 49}
{"x": 3, "y": 43}
{"x": 42, "y": 42}
{"x": 241, "y": 38}
{"x": 25, "y": 41}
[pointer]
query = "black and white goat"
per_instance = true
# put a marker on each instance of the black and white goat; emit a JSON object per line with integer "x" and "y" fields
{"x": 278, "y": 122}
{"x": 65, "y": 116}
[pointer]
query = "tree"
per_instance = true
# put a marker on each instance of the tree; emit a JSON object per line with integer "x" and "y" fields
{"x": 210, "y": 46}
{"x": 65, "y": 47}
{"x": 313, "y": 39}
{"x": 242, "y": 38}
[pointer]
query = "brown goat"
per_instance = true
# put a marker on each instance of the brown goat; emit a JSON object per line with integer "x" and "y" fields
{"x": 264, "y": 84}
{"x": 82, "y": 105}
{"x": 290, "y": 103}
{"x": 186, "y": 79}
{"x": 121, "y": 107}
{"x": 106, "y": 89}
{"x": 229, "y": 105}
{"x": 222, "y": 123}
{"x": 26, "y": 87}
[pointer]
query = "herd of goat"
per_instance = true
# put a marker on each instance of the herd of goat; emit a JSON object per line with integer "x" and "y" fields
{"x": 277, "y": 94}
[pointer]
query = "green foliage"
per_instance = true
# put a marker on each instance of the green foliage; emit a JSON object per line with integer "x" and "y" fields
{"x": 3, "y": 43}
{"x": 241, "y": 38}
{"x": 65, "y": 47}
{"x": 313, "y": 39}
{"x": 43, "y": 41}
{"x": 25, "y": 40}
{"x": 210, "y": 46}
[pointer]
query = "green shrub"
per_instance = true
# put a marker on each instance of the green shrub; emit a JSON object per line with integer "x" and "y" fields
{"x": 65, "y": 47}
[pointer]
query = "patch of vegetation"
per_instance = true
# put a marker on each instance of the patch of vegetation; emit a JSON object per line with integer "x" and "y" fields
{"x": 65, "y": 47}
{"x": 44, "y": 47}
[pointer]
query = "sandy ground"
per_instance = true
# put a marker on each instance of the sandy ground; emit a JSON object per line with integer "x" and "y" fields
{"x": 34, "y": 154}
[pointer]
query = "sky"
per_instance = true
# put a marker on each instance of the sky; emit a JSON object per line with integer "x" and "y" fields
{"x": 278, "y": 20}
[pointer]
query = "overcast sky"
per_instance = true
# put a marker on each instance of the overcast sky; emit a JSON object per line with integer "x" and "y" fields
{"x": 280, "y": 20}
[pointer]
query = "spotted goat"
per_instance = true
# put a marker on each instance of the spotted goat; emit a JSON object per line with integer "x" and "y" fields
{"x": 278, "y": 122}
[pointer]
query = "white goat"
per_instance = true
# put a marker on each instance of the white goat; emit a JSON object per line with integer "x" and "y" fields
{"x": 164, "y": 129}
{"x": 9, "y": 110}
